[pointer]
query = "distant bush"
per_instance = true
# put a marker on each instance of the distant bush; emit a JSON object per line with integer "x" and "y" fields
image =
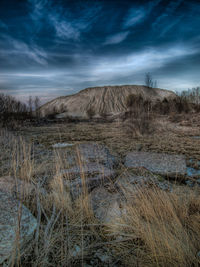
{"x": 167, "y": 106}
{"x": 138, "y": 117}
{"x": 141, "y": 112}
{"x": 191, "y": 95}
{"x": 90, "y": 113}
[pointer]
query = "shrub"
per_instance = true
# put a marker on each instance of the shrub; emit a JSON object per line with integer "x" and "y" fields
{"x": 90, "y": 113}
{"x": 138, "y": 116}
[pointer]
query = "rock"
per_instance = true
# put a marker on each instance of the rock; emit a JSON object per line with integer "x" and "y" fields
{"x": 15, "y": 187}
{"x": 104, "y": 256}
{"x": 106, "y": 206}
{"x": 90, "y": 175}
{"x": 88, "y": 169}
{"x": 159, "y": 163}
{"x": 76, "y": 252}
{"x": 90, "y": 164}
{"x": 129, "y": 183}
{"x": 166, "y": 186}
{"x": 91, "y": 152}
{"x": 189, "y": 183}
{"x": 11, "y": 211}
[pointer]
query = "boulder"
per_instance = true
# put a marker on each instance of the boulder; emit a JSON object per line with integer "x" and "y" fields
{"x": 105, "y": 205}
{"x": 129, "y": 183}
{"x": 159, "y": 163}
{"x": 91, "y": 152}
{"x": 15, "y": 187}
{"x": 17, "y": 226}
{"x": 90, "y": 175}
{"x": 86, "y": 153}
{"x": 88, "y": 169}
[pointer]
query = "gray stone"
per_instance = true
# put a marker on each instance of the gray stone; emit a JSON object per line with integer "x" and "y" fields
{"x": 77, "y": 185}
{"x": 89, "y": 164}
{"x": 76, "y": 251}
{"x": 15, "y": 219}
{"x": 89, "y": 175}
{"x": 15, "y": 187}
{"x": 88, "y": 169}
{"x": 189, "y": 183}
{"x": 159, "y": 163}
{"x": 105, "y": 205}
{"x": 103, "y": 255}
{"x": 91, "y": 152}
{"x": 129, "y": 183}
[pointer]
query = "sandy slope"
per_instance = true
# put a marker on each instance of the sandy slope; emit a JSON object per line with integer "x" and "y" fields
{"x": 106, "y": 99}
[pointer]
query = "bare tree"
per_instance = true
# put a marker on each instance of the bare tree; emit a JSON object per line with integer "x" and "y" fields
{"x": 191, "y": 95}
{"x": 37, "y": 105}
{"x": 149, "y": 82}
{"x": 30, "y": 105}
{"x": 8, "y": 104}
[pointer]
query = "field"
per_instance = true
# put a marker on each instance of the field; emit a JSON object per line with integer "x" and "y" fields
{"x": 108, "y": 224}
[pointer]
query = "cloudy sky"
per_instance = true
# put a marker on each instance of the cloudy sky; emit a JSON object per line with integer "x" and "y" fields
{"x": 57, "y": 47}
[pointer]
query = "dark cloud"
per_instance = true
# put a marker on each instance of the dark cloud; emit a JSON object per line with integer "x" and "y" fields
{"x": 51, "y": 48}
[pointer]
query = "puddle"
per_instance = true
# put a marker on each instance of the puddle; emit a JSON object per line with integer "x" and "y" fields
{"x": 62, "y": 145}
{"x": 192, "y": 172}
{"x": 197, "y": 162}
{"x": 196, "y": 137}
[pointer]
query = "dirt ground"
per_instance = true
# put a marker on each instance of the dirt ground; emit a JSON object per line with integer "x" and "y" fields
{"x": 172, "y": 135}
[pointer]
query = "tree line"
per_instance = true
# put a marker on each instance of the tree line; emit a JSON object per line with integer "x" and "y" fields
{"x": 191, "y": 95}
{"x": 9, "y": 105}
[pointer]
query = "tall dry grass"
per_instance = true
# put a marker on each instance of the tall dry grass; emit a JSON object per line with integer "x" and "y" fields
{"x": 158, "y": 228}
{"x": 161, "y": 228}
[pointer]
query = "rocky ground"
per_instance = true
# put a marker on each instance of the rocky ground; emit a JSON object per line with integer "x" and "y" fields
{"x": 91, "y": 172}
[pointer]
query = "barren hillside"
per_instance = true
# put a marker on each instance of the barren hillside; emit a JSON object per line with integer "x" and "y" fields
{"x": 102, "y": 100}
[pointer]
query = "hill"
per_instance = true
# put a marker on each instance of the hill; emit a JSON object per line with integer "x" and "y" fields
{"x": 101, "y": 100}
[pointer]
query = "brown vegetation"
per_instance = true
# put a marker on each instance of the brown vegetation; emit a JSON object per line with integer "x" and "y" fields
{"x": 158, "y": 228}
{"x": 141, "y": 113}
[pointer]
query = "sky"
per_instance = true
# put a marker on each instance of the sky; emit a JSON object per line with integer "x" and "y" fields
{"x": 52, "y": 48}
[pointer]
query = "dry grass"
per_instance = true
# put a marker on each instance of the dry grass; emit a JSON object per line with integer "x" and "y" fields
{"x": 161, "y": 229}
{"x": 158, "y": 228}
